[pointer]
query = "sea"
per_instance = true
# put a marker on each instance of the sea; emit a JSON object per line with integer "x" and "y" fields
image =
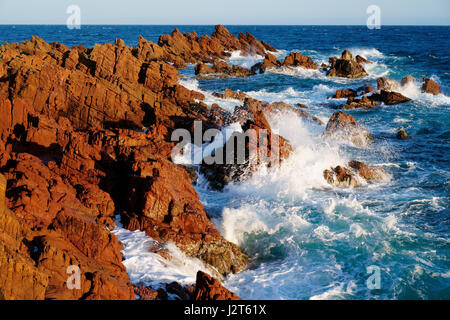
{"x": 305, "y": 238}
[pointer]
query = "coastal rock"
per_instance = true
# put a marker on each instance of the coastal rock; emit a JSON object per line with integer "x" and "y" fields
{"x": 208, "y": 288}
{"x": 430, "y": 86}
{"x": 296, "y": 59}
{"x": 361, "y": 59}
{"x": 343, "y": 93}
{"x": 222, "y": 68}
{"x": 239, "y": 158}
{"x": 346, "y": 67}
{"x": 343, "y": 126}
{"x": 363, "y": 103}
{"x": 407, "y": 80}
{"x": 390, "y": 97}
{"x": 367, "y": 173}
{"x": 387, "y": 84}
{"x": 402, "y": 135}
{"x": 340, "y": 177}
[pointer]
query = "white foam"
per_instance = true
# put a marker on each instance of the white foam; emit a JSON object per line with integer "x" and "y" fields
{"x": 150, "y": 269}
{"x": 210, "y": 99}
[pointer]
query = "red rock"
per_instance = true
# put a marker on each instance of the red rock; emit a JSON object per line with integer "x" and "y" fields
{"x": 407, "y": 80}
{"x": 296, "y": 59}
{"x": 361, "y": 59}
{"x": 387, "y": 84}
{"x": 390, "y": 97}
{"x": 430, "y": 86}
{"x": 208, "y": 288}
{"x": 346, "y": 67}
{"x": 363, "y": 103}
{"x": 342, "y": 93}
{"x": 340, "y": 177}
{"x": 369, "y": 174}
{"x": 343, "y": 126}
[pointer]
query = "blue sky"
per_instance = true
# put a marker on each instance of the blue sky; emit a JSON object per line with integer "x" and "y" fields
{"x": 244, "y": 12}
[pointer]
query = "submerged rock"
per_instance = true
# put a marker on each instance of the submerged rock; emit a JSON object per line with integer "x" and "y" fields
{"x": 402, "y": 135}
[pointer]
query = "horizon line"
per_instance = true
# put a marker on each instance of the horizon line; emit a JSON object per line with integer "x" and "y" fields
{"x": 225, "y": 24}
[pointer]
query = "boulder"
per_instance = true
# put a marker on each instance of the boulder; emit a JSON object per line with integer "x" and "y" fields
{"x": 430, "y": 86}
{"x": 390, "y": 97}
{"x": 343, "y": 93}
{"x": 407, "y": 80}
{"x": 387, "y": 84}
{"x": 207, "y": 288}
{"x": 402, "y": 135}
{"x": 296, "y": 59}
{"x": 363, "y": 103}
{"x": 343, "y": 126}
{"x": 367, "y": 173}
{"x": 346, "y": 67}
{"x": 361, "y": 59}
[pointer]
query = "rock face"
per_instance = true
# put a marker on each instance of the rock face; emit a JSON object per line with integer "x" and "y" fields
{"x": 73, "y": 154}
{"x": 343, "y": 126}
{"x": 208, "y": 288}
{"x": 346, "y": 67}
{"x": 351, "y": 177}
{"x": 430, "y": 86}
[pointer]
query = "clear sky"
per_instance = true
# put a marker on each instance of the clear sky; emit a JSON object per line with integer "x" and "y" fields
{"x": 243, "y": 12}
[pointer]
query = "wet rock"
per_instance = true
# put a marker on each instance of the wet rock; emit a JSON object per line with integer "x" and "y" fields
{"x": 430, "y": 86}
{"x": 343, "y": 93}
{"x": 222, "y": 68}
{"x": 296, "y": 59}
{"x": 340, "y": 177}
{"x": 402, "y": 135}
{"x": 387, "y": 84}
{"x": 343, "y": 126}
{"x": 346, "y": 67}
{"x": 407, "y": 80}
{"x": 343, "y": 177}
{"x": 367, "y": 173}
{"x": 208, "y": 288}
{"x": 148, "y": 293}
{"x": 363, "y": 103}
{"x": 245, "y": 152}
{"x": 361, "y": 59}
{"x": 390, "y": 97}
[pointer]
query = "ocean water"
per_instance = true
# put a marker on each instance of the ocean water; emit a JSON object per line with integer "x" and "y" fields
{"x": 308, "y": 240}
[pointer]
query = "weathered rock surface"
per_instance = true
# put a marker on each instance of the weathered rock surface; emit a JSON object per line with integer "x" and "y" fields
{"x": 430, "y": 86}
{"x": 346, "y": 67}
{"x": 208, "y": 288}
{"x": 245, "y": 151}
{"x": 363, "y": 103}
{"x": 222, "y": 69}
{"x": 389, "y": 97}
{"x": 343, "y": 177}
{"x": 344, "y": 127}
{"x": 73, "y": 154}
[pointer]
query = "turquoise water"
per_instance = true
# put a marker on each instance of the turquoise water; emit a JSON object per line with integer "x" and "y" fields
{"x": 307, "y": 239}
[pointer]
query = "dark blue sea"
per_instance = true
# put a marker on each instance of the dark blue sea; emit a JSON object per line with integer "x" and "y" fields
{"x": 307, "y": 239}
